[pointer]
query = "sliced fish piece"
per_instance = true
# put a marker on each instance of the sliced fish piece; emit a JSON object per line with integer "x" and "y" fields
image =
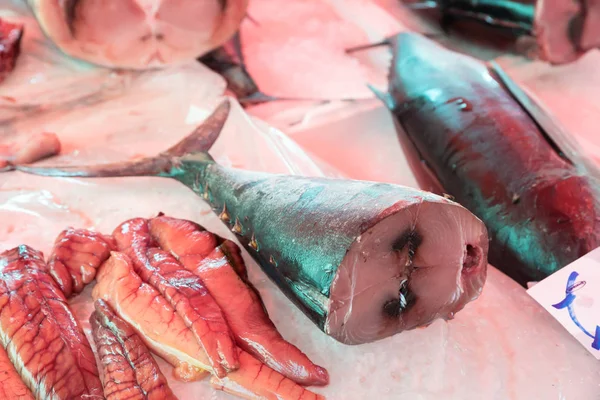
{"x": 130, "y": 371}
{"x": 40, "y": 333}
{"x": 165, "y": 332}
{"x": 184, "y": 291}
{"x": 76, "y": 256}
{"x": 151, "y": 316}
{"x": 244, "y": 311}
{"x": 11, "y": 385}
{"x": 29, "y": 149}
{"x": 256, "y": 381}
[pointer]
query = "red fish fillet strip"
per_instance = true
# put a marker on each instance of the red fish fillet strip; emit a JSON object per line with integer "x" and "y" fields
{"x": 256, "y": 381}
{"x": 244, "y": 311}
{"x": 41, "y": 335}
{"x": 11, "y": 385}
{"x": 130, "y": 371}
{"x": 151, "y": 316}
{"x": 183, "y": 290}
{"x": 165, "y": 332}
{"x": 76, "y": 256}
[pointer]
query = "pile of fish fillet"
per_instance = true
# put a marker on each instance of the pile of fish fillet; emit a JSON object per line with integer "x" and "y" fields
{"x": 503, "y": 345}
{"x": 164, "y": 284}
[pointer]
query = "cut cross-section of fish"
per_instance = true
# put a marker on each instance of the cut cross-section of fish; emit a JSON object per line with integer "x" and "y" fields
{"x": 184, "y": 291}
{"x": 11, "y": 385}
{"x": 130, "y": 371}
{"x": 40, "y": 333}
{"x": 244, "y": 311}
{"x": 76, "y": 256}
{"x": 256, "y": 381}
{"x": 151, "y": 316}
{"x": 138, "y": 33}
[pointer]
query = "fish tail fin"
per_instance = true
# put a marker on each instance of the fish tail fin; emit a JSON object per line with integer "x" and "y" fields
{"x": 197, "y": 144}
{"x": 205, "y": 135}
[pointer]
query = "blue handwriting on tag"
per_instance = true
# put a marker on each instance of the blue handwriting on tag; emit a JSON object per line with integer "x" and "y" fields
{"x": 567, "y": 303}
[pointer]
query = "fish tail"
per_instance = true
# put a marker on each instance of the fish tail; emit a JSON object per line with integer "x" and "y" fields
{"x": 164, "y": 164}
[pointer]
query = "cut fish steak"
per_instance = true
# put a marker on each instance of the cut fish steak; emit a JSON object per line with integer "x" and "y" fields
{"x": 138, "y": 33}
{"x": 130, "y": 371}
{"x": 40, "y": 333}
{"x": 184, "y": 291}
{"x": 11, "y": 385}
{"x": 245, "y": 312}
{"x": 151, "y": 316}
{"x": 76, "y": 256}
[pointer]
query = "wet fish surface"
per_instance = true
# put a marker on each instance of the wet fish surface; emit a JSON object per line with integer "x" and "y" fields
{"x": 363, "y": 260}
{"x": 184, "y": 291}
{"x": 471, "y": 139}
{"x": 10, "y": 47}
{"x": 40, "y": 333}
{"x": 130, "y": 372}
{"x": 245, "y": 312}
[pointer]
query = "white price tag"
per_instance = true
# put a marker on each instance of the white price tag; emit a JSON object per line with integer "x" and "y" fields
{"x": 572, "y": 296}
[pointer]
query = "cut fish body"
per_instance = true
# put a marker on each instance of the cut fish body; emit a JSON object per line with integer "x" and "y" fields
{"x": 244, "y": 311}
{"x": 139, "y": 33}
{"x": 151, "y": 316}
{"x": 10, "y": 47}
{"x": 40, "y": 333}
{"x": 130, "y": 371}
{"x": 184, "y": 291}
{"x": 11, "y": 385}
{"x": 76, "y": 256}
{"x": 363, "y": 260}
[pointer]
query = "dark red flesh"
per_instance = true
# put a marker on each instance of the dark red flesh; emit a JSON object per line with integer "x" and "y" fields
{"x": 10, "y": 47}
{"x": 130, "y": 371}
{"x": 40, "y": 333}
